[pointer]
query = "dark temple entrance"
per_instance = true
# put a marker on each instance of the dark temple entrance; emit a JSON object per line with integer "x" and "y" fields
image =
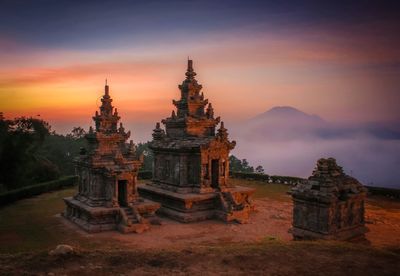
{"x": 122, "y": 192}
{"x": 215, "y": 173}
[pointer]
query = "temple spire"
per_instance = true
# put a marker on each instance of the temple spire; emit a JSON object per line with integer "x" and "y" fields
{"x": 106, "y": 89}
{"x": 190, "y": 73}
{"x": 106, "y": 120}
{"x": 222, "y": 132}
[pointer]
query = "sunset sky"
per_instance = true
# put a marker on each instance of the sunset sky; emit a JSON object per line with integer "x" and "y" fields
{"x": 339, "y": 61}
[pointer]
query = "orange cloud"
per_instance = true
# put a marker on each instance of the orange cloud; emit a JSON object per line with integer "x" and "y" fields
{"x": 244, "y": 73}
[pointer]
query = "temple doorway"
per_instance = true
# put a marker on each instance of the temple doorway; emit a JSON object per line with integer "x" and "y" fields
{"x": 122, "y": 193}
{"x": 215, "y": 173}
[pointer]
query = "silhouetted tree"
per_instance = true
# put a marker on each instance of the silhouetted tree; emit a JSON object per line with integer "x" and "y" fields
{"x": 37, "y": 128}
{"x": 246, "y": 167}
{"x": 77, "y": 133}
{"x": 31, "y": 153}
{"x": 61, "y": 151}
{"x": 259, "y": 169}
{"x": 237, "y": 165}
{"x": 19, "y": 160}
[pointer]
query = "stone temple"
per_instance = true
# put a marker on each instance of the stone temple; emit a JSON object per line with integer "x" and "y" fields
{"x": 191, "y": 163}
{"x": 107, "y": 175}
{"x": 330, "y": 205}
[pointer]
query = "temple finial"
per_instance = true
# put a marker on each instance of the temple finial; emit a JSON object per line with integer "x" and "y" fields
{"x": 158, "y": 132}
{"x": 222, "y": 132}
{"x": 106, "y": 89}
{"x": 190, "y": 72}
{"x": 190, "y": 65}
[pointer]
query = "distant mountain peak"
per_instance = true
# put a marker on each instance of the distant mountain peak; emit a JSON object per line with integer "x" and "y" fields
{"x": 285, "y": 112}
{"x": 284, "y": 109}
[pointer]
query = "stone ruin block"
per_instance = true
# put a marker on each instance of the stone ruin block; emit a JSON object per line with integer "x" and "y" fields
{"x": 329, "y": 205}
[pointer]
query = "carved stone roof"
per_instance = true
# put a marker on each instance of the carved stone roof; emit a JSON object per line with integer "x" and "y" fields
{"x": 327, "y": 182}
{"x": 191, "y": 116}
{"x": 193, "y": 124}
{"x": 108, "y": 147}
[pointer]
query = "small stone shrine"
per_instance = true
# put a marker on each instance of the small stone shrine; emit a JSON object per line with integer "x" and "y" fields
{"x": 191, "y": 163}
{"x": 330, "y": 205}
{"x": 107, "y": 173}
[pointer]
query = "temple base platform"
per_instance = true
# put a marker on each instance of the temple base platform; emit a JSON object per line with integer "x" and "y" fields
{"x": 230, "y": 205}
{"x": 132, "y": 218}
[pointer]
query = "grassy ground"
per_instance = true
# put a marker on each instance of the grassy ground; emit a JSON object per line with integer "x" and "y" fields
{"x": 32, "y": 224}
{"x": 28, "y": 224}
{"x": 264, "y": 189}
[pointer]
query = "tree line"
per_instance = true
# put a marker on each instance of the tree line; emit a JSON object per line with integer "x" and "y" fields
{"x": 237, "y": 165}
{"x": 31, "y": 152}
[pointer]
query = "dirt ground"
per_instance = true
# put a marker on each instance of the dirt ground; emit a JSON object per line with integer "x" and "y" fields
{"x": 266, "y": 258}
{"x": 262, "y": 247}
{"x": 271, "y": 221}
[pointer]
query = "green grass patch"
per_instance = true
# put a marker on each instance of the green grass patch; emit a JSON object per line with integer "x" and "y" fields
{"x": 32, "y": 223}
{"x": 265, "y": 190}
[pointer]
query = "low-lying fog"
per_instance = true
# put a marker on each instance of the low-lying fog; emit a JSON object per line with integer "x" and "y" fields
{"x": 286, "y": 141}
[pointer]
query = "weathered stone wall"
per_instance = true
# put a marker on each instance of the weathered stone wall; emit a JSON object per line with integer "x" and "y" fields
{"x": 178, "y": 170}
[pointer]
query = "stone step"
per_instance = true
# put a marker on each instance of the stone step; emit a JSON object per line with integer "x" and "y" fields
{"x": 127, "y": 210}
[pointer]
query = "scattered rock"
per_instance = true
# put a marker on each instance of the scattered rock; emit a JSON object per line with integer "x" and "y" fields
{"x": 62, "y": 249}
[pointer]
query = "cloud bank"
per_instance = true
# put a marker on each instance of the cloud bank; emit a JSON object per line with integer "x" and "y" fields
{"x": 290, "y": 144}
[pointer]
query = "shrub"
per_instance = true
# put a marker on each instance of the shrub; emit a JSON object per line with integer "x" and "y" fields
{"x": 265, "y": 177}
{"x": 388, "y": 192}
{"x": 36, "y": 189}
{"x": 249, "y": 175}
